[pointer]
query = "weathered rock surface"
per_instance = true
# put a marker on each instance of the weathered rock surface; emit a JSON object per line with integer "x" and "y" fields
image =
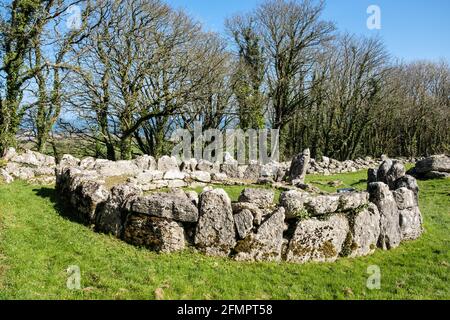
{"x": 263, "y": 198}
{"x": 365, "y": 232}
{"x": 231, "y": 170}
{"x": 349, "y": 201}
{"x": 7, "y": 178}
{"x": 116, "y": 168}
{"x": 215, "y": 234}
{"x": 299, "y": 167}
{"x": 251, "y": 207}
{"x": 266, "y": 244}
{"x": 163, "y": 205}
{"x": 382, "y": 197}
{"x": 252, "y": 172}
{"x": 87, "y": 196}
{"x": 293, "y": 202}
{"x": 316, "y": 240}
{"x": 157, "y": 234}
{"x": 410, "y": 215}
{"x": 146, "y": 162}
{"x": 439, "y": 163}
{"x": 166, "y": 163}
{"x": 244, "y": 223}
{"x": 201, "y": 176}
{"x": 111, "y": 215}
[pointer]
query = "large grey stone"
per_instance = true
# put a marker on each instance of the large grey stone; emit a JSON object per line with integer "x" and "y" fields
{"x": 204, "y": 165}
{"x": 110, "y": 217}
{"x": 231, "y": 170}
{"x": 117, "y": 168}
{"x": 383, "y": 198}
{"x": 165, "y": 205}
{"x": 349, "y": 201}
{"x": 68, "y": 160}
{"x": 5, "y": 176}
{"x": 251, "y": 207}
{"x": 157, "y": 234}
{"x": 87, "y": 196}
{"x": 252, "y": 172}
{"x": 293, "y": 202}
{"x": 145, "y": 162}
{"x": 411, "y": 223}
{"x": 244, "y": 223}
{"x": 410, "y": 183}
{"x": 215, "y": 234}
{"x": 263, "y": 198}
{"x": 299, "y": 167}
{"x": 201, "y": 176}
{"x": 365, "y": 231}
{"x": 317, "y": 240}
{"x": 267, "y": 243}
{"x": 166, "y": 163}
{"x": 440, "y": 163}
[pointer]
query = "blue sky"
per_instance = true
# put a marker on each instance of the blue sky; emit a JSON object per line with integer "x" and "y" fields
{"x": 411, "y": 29}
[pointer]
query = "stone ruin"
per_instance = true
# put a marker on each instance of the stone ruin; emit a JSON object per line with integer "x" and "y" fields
{"x": 150, "y": 203}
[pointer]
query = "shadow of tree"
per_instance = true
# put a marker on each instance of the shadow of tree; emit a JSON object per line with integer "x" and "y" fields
{"x": 61, "y": 206}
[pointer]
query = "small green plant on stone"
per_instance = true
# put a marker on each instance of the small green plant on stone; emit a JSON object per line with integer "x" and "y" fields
{"x": 302, "y": 214}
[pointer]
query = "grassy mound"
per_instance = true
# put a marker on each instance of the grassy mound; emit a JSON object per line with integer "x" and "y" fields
{"x": 38, "y": 244}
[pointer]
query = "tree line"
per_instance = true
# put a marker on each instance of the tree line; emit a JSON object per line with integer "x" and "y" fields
{"x": 122, "y": 75}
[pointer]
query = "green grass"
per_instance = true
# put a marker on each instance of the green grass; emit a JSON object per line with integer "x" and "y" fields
{"x": 37, "y": 244}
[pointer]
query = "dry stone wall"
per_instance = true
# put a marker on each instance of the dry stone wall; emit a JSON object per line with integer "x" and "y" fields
{"x": 125, "y": 199}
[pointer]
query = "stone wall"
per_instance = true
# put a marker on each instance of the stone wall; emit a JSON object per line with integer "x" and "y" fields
{"x": 29, "y": 165}
{"x": 123, "y": 199}
{"x": 154, "y": 174}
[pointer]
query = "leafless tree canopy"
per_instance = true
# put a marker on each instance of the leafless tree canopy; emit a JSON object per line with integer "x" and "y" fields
{"x": 133, "y": 71}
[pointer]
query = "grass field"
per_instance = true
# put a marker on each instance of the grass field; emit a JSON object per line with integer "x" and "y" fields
{"x": 37, "y": 245}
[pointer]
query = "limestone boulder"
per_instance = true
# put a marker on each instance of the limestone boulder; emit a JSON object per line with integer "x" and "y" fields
{"x": 68, "y": 160}
{"x": 174, "y": 174}
{"x": 166, "y": 163}
{"x": 189, "y": 165}
{"x": 201, "y": 176}
{"x": 155, "y": 233}
{"x": 231, "y": 170}
{"x": 88, "y": 163}
{"x": 438, "y": 163}
{"x": 204, "y": 165}
{"x": 365, "y": 231}
{"x": 299, "y": 167}
{"x": 263, "y": 198}
{"x": 111, "y": 216}
{"x": 349, "y": 201}
{"x": 215, "y": 234}
{"x": 219, "y": 177}
{"x": 252, "y": 172}
{"x": 165, "y": 205}
{"x": 256, "y": 212}
{"x": 87, "y": 196}
{"x": 145, "y": 162}
{"x": 383, "y": 198}
{"x": 267, "y": 243}
{"x": 117, "y": 168}
{"x": 5, "y": 176}
{"x": 318, "y": 240}
{"x": 293, "y": 201}
{"x": 244, "y": 223}
{"x": 411, "y": 223}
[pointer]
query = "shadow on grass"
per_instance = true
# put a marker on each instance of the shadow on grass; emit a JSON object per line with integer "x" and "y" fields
{"x": 61, "y": 206}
